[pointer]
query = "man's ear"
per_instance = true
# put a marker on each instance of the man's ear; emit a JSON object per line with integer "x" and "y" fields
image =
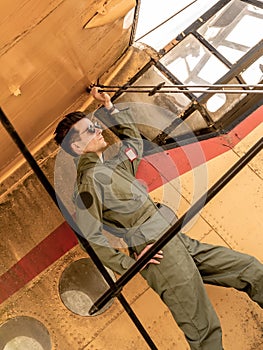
{"x": 76, "y": 148}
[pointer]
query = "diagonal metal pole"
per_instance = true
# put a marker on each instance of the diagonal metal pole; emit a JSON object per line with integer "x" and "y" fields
{"x": 50, "y": 190}
{"x": 174, "y": 230}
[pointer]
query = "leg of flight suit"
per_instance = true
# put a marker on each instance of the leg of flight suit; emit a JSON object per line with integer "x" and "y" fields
{"x": 225, "y": 267}
{"x": 179, "y": 284}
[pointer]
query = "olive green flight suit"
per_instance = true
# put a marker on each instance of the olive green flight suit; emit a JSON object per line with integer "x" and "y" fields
{"x": 109, "y": 196}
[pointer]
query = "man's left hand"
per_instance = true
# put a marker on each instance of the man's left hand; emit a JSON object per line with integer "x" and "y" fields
{"x": 154, "y": 260}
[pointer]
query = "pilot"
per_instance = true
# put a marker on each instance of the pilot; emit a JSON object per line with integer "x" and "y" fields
{"x": 108, "y": 195}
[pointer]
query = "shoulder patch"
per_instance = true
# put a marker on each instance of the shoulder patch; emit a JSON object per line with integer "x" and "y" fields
{"x": 131, "y": 154}
{"x": 84, "y": 200}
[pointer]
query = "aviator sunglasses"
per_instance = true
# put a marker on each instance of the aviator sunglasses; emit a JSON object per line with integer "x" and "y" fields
{"x": 91, "y": 129}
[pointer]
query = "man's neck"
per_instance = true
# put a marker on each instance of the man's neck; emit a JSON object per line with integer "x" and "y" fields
{"x": 100, "y": 155}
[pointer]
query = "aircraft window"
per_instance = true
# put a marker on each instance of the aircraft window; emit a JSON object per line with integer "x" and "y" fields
{"x": 254, "y": 74}
{"x": 160, "y": 27}
{"x": 216, "y": 102}
{"x": 24, "y": 333}
{"x": 234, "y": 30}
{"x": 192, "y": 63}
{"x": 80, "y": 285}
{"x": 219, "y": 104}
{"x": 194, "y": 122}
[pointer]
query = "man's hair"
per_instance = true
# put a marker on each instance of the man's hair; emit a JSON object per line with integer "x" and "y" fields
{"x": 65, "y": 133}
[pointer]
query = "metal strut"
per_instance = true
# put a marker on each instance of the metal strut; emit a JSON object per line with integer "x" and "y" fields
{"x": 184, "y": 88}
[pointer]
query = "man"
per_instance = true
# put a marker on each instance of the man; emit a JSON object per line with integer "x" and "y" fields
{"x": 108, "y": 195}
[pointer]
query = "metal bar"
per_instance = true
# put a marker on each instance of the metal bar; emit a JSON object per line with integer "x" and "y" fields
{"x": 173, "y": 231}
{"x": 180, "y": 86}
{"x": 223, "y": 91}
{"x": 50, "y": 190}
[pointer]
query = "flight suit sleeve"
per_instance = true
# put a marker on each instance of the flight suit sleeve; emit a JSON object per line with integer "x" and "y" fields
{"x": 89, "y": 220}
{"x": 128, "y": 132}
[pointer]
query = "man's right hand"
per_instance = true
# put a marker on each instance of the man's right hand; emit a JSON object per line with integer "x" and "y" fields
{"x": 102, "y": 97}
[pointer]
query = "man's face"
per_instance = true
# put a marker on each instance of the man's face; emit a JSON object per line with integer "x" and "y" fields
{"x": 90, "y": 138}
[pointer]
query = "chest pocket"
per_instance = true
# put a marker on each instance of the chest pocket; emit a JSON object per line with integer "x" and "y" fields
{"x": 121, "y": 193}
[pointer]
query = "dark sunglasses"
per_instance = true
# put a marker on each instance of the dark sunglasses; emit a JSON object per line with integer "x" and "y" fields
{"x": 91, "y": 129}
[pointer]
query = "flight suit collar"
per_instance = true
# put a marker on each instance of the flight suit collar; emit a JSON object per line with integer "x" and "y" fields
{"x": 86, "y": 161}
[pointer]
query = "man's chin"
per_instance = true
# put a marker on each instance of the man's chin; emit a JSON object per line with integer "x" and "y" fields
{"x": 105, "y": 144}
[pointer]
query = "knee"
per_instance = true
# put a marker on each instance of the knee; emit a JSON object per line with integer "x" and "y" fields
{"x": 252, "y": 270}
{"x": 252, "y": 276}
{"x": 255, "y": 267}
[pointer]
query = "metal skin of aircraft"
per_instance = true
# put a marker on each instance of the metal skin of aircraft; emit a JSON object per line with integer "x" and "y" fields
{"x": 193, "y": 80}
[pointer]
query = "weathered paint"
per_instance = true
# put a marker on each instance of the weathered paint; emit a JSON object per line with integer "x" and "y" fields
{"x": 47, "y": 60}
{"x": 56, "y": 60}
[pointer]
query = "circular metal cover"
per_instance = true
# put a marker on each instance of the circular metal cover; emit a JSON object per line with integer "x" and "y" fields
{"x": 81, "y": 284}
{"x": 24, "y": 333}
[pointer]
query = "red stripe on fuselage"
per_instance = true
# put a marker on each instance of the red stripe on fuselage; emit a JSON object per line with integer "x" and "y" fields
{"x": 159, "y": 168}
{"x": 37, "y": 260}
{"x": 175, "y": 162}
